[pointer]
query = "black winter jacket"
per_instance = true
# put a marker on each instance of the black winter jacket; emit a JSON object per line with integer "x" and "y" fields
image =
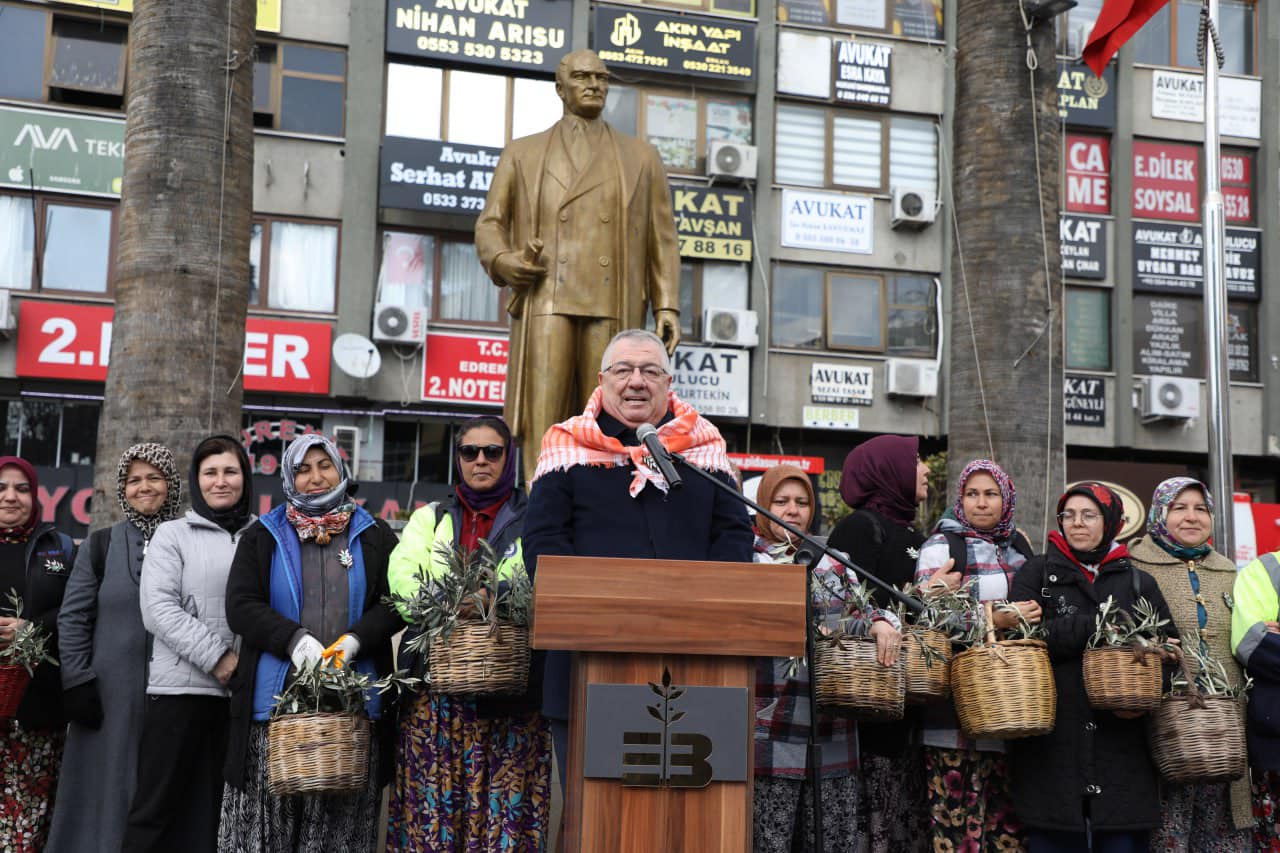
{"x": 1091, "y": 760}
{"x": 49, "y": 558}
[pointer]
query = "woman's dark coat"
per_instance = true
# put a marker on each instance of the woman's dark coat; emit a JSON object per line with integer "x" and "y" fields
{"x": 49, "y": 557}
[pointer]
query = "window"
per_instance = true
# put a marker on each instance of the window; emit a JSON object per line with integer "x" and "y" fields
{"x": 22, "y": 41}
{"x": 438, "y": 103}
{"x": 919, "y": 19}
{"x": 893, "y": 314}
{"x": 75, "y": 240}
{"x": 1169, "y": 38}
{"x": 50, "y": 433}
{"x": 413, "y": 450}
{"x": 300, "y": 88}
{"x": 743, "y": 8}
{"x": 62, "y": 58}
{"x": 680, "y": 124}
{"x": 707, "y": 284}
{"x": 827, "y": 147}
{"x": 293, "y": 266}
{"x": 1074, "y": 27}
{"x": 1088, "y": 329}
{"x": 442, "y": 271}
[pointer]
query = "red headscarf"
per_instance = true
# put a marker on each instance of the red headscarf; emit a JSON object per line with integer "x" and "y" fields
{"x": 22, "y": 532}
{"x": 880, "y": 474}
{"x": 1112, "y": 510}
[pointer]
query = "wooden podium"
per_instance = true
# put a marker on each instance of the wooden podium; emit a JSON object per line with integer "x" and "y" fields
{"x": 629, "y": 621}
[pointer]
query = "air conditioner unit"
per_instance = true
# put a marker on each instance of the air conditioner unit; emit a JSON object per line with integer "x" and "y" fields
{"x": 398, "y": 324}
{"x": 1170, "y": 397}
{"x": 7, "y": 321}
{"x": 911, "y": 377}
{"x": 913, "y": 207}
{"x": 730, "y": 326}
{"x": 731, "y": 160}
{"x": 347, "y": 438}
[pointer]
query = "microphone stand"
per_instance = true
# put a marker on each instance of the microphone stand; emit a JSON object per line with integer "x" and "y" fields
{"x": 814, "y": 550}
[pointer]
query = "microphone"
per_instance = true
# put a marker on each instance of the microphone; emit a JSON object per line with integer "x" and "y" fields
{"x": 648, "y": 435}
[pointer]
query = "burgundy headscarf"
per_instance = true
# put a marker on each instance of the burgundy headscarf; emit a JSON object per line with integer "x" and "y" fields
{"x": 506, "y": 480}
{"x": 23, "y": 531}
{"x": 880, "y": 474}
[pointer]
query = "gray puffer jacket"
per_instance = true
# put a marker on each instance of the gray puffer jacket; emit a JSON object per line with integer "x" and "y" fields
{"x": 183, "y": 593}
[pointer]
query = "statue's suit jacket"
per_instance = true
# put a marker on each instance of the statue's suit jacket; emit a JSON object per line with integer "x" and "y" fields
{"x": 609, "y": 241}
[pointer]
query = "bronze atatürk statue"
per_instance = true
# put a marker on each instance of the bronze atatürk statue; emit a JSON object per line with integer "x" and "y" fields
{"x": 578, "y": 224}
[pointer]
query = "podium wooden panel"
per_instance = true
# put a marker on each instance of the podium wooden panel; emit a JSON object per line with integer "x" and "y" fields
{"x": 628, "y": 620}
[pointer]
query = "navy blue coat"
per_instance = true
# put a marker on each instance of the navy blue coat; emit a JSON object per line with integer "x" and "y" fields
{"x": 588, "y": 511}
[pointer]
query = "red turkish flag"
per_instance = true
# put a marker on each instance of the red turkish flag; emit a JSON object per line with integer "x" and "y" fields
{"x": 1116, "y": 24}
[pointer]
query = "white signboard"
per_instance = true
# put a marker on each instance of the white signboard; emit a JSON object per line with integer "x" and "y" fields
{"x": 868, "y": 14}
{"x": 840, "y": 383}
{"x": 830, "y": 417}
{"x": 715, "y": 381}
{"x": 831, "y": 222}
{"x": 1180, "y": 97}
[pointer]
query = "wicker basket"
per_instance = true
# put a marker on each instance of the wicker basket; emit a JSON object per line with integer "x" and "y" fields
{"x": 1199, "y": 739}
{"x": 848, "y": 677}
{"x": 1005, "y": 690}
{"x": 13, "y": 686}
{"x": 1116, "y": 680}
{"x": 473, "y": 662}
{"x": 927, "y": 680}
{"x": 310, "y": 753}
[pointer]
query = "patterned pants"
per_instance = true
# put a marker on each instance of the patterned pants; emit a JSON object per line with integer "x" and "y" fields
{"x": 1197, "y": 819}
{"x": 777, "y": 801}
{"x": 1266, "y": 808}
{"x": 29, "y": 762}
{"x": 894, "y": 797}
{"x": 970, "y": 808}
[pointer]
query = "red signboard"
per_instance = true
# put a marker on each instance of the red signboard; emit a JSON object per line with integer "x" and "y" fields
{"x": 461, "y": 368}
{"x": 1166, "y": 181}
{"x": 65, "y": 340}
{"x": 765, "y": 461}
{"x": 1088, "y": 174}
{"x": 1237, "y": 187}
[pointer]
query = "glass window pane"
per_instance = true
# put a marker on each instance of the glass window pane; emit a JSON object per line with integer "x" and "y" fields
{"x": 264, "y": 64}
{"x": 312, "y": 106}
{"x": 688, "y": 301}
{"x": 535, "y": 106}
{"x": 855, "y": 151}
{"x": 729, "y": 121}
{"x": 87, "y": 56}
{"x": 407, "y": 269}
{"x": 671, "y": 125}
{"x": 79, "y": 433}
{"x": 466, "y": 293}
{"x": 1235, "y": 25}
{"x": 800, "y": 140}
{"x": 855, "y": 312}
{"x": 21, "y": 53}
{"x": 796, "y": 318}
{"x": 17, "y": 241}
{"x": 255, "y": 263}
{"x": 1075, "y": 26}
{"x": 804, "y": 64}
{"x": 40, "y": 431}
{"x": 1188, "y": 24}
{"x": 413, "y": 101}
{"x": 724, "y": 285}
{"x": 620, "y": 109}
{"x": 315, "y": 60}
{"x": 1151, "y": 44}
{"x": 913, "y": 154}
{"x": 77, "y": 248}
{"x": 912, "y": 316}
{"x": 1242, "y": 342}
{"x": 304, "y": 267}
{"x": 11, "y": 415}
{"x": 473, "y": 126}
{"x": 1088, "y": 330}
{"x": 399, "y": 449}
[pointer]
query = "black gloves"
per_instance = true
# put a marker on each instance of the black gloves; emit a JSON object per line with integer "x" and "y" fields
{"x": 83, "y": 705}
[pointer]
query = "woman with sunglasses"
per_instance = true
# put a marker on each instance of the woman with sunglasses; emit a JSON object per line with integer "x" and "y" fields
{"x": 471, "y": 772}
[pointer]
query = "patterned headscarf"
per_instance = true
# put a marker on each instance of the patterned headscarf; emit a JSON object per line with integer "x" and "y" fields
{"x": 316, "y": 516}
{"x": 1112, "y": 510}
{"x": 880, "y": 474}
{"x": 161, "y": 458}
{"x": 1166, "y": 493}
{"x": 1008, "y": 496}
{"x": 22, "y": 532}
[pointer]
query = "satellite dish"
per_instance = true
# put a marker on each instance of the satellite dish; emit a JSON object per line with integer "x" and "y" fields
{"x": 356, "y": 355}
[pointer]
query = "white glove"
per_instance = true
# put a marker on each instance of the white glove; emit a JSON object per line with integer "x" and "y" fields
{"x": 306, "y": 651}
{"x": 344, "y": 650}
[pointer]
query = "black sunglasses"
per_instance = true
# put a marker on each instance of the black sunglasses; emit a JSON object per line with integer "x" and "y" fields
{"x": 469, "y": 452}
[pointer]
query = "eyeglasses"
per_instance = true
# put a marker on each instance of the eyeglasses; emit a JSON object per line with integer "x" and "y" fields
{"x": 1069, "y": 517}
{"x": 469, "y": 452}
{"x": 624, "y": 369}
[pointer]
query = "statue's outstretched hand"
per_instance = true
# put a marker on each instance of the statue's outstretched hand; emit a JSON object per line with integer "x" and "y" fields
{"x": 668, "y": 328}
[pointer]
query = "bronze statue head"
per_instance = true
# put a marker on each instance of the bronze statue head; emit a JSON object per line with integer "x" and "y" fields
{"x": 582, "y": 82}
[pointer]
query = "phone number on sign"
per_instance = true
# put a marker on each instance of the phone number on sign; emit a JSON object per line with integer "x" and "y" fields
{"x": 716, "y": 249}
{"x": 451, "y": 201}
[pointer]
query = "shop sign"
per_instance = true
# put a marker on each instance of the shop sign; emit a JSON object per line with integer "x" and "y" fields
{"x": 466, "y": 369}
{"x": 1085, "y": 400}
{"x": 1237, "y": 187}
{"x": 841, "y": 383}
{"x": 268, "y": 11}
{"x": 712, "y": 223}
{"x": 1168, "y": 336}
{"x": 1180, "y": 97}
{"x": 832, "y": 222}
{"x": 58, "y": 152}
{"x": 1166, "y": 181}
{"x": 1084, "y": 246}
{"x": 765, "y": 461}
{"x": 516, "y": 35}
{"x": 264, "y": 441}
{"x": 445, "y": 177}
{"x": 1242, "y": 336}
{"x": 829, "y": 417}
{"x": 1085, "y": 99}
{"x": 862, "y": 73}
{"x": 913, "y": 19}
{"x": 1168, "y": 259}
{"x": 65, "y": 340}
{"x": 715, "y": 381}
{"x": 1088, "y": 174}
{"x": 675, "y": 44}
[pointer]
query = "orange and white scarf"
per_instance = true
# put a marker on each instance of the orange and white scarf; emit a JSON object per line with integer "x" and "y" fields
{"x": 580, "y": 441}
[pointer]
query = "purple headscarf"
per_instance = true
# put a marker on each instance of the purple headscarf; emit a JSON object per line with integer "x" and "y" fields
{"x": 506, "y": 480}
{"x": 880, "y": 474}
{"x": 1008, "y": 497}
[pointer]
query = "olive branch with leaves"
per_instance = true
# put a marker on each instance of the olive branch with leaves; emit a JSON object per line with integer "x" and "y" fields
{"x": 30, "y": 644}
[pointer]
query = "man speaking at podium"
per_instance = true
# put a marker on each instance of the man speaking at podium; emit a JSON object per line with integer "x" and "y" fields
{"x": 597, "y": 493}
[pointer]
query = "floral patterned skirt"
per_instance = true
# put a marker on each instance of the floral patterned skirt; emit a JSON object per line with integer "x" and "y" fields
{"x": 29, "y": 762}
{"x": 468, "y": 784}
{"x": 970, "y": 807}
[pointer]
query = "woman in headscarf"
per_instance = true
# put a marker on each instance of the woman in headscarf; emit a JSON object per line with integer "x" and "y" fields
{"x": 312, "y": 573}
{"x": 969, "y": 800}
{"x": 102, "y": 650}
{"x": 884, "y": 480}
{"x": 35, "y": 561}
{"x": 1090, "y": 783}
{"x": 1196, "y": 583}
{"x": 184, "y": 726}
{"x": 782, "y": 796}
{"x": 470, "y": 771}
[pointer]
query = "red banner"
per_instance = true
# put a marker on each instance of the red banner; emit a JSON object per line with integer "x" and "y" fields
{"x": 765, "y": 461}
{"x": 1088, "y": 171}
{"x": 1166, "y": 181}
{"x": 286, "y": 356}
{"x": 1237, "y": 187}
{"x": 461, "y": 368}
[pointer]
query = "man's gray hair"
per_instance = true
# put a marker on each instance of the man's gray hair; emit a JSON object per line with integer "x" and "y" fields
{"x": 643, "y": 335}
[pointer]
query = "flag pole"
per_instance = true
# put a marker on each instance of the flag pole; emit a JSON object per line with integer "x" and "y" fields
{"x": 1218, "y": 423}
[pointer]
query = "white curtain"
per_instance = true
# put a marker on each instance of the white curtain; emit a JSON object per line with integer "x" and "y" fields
{"x": 303, "y": 267}
{"x": 16, "y": 242}
{"x": 801, "y": 145}
{"x": 466, "y": 293}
